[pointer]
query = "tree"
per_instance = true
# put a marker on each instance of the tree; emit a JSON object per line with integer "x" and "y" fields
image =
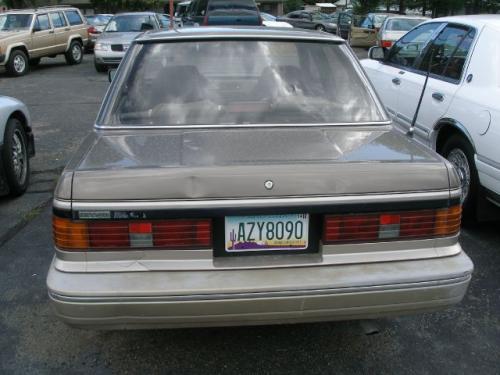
{"x": 291, "y": 5}
{"x": 365, "y": 6}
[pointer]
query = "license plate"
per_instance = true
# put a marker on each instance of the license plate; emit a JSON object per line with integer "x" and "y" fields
{"x": 266, "y": 232}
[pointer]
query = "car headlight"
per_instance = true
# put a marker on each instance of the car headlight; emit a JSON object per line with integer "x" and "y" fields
{"x": 102, "y": 46}
{"x": 332, "y": 24}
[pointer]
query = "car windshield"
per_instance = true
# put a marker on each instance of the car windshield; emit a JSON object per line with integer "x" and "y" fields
{"x": 240, "y": 83}
{"x": 98, "y": 20}
{"x": 9, "y": 22}
{"x": 403, "y": 24}
{"x": 129, "y": 23}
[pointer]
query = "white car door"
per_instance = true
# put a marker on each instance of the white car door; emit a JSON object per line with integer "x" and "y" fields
{"x": 388, "y": 75}
{"x": 448, "y": 52}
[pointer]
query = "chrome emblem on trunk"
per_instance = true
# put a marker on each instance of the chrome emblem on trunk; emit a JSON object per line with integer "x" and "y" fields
{"x": 269, "y": 184}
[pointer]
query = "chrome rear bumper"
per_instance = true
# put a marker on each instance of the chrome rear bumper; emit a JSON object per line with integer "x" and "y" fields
{"x": 259, "y": 296}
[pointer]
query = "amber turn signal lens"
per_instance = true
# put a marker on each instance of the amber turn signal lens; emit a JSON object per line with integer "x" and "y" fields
{"x": 69, "y": 234}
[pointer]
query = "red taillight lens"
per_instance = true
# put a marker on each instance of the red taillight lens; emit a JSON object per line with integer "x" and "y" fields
{"x": 391, "y": 226}
{"x": 205, "y": 21}
{"x": 92, "y": 30}
{"x": 160, "y": 234}
{"x": 386, "y": 44}
{"x": 183, "y": 233}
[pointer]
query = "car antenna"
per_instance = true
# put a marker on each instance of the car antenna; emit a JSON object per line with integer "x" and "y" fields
{"x": 411, "y": 131}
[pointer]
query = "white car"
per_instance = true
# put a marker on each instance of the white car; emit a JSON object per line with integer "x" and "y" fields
{"x": 16, "y": 146}
{"x": 395, "y": 27}
{"x": 459, "y": 115}
{"x": 270, "y": 21}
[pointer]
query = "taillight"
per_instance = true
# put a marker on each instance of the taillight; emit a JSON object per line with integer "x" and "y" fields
{"x": 405, "y": 225}
{"x": 92, "y": 30}
{"x": 386, "y": 43}
{"x": 160, "y": 234}
{"x": 205, "y": 21}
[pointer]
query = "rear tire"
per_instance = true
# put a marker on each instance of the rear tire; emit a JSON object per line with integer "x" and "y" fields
{"x": 15, "y": 157}
{"x": 74, "y": 54}
{"x": 100, "y": 68}
{"x": 18, "y": 64}
{"x": 461, "y": 154}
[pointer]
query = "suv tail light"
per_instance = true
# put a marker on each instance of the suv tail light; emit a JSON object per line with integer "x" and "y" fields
{"x": 405, "y": 225}
{"x": 205, "y": 21}
{"x": 386, "y": 43}
{"x": 92, "y": 30}
{"x": 110, "y": 235}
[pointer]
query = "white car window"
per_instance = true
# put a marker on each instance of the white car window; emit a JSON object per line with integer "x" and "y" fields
{"x": 406, "y": 51}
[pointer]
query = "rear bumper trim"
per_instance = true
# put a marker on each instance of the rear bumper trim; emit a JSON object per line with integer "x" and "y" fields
{"x": 249, "y": 297}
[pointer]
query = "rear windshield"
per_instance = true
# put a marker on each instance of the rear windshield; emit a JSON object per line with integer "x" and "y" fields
{"x": 403, "y": 24}
{"x": 99, "y": 20}
{"x": 129, "y": 23}
{"x": 231, "y": 7}
{"x": 239, "y": 83}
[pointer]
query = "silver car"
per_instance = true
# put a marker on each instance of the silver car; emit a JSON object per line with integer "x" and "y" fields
{"x": 17, "y": 145}
{"x": 113, "y": 43}
{"x": 235, "y": 178}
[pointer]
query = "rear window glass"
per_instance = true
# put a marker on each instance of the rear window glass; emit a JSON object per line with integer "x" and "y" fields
{"x": 241, "y": 82}
{"x": 403, "y": 24}
{"x": 232, "y": 7}
{"x": 73, "y": 17}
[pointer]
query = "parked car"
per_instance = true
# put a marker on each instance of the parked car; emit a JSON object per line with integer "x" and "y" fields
{"x": 343, "y": 20}
{"x": 112, "y": 44}
{"x": 181, "y": 10}
{"x": 270, "y": 189}
{"x": 17, "y": 145}
{"x": 270, "y": 21}
{"x": 394, "y": 27}
{"x": 310, "y": 20}
{"x": 164, "y": 21}
{"x": 460, "y": 112}
{"x": 364, "y": 29}
{"x": 28, "y": 35}
{"x": 223, "y": 12}
{"x": 97, "y": 23}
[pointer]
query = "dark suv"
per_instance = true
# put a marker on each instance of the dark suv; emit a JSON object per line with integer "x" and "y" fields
{"x": 223, "y": 12}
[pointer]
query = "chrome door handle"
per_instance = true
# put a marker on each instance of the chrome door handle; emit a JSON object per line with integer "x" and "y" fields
{"x": 438, "y": 96}
{"x": 51, "y": 32}
{"x": 67, "y": 29}
{"x": 396, "y": 81}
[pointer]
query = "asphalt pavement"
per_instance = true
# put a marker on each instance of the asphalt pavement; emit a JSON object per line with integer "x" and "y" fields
{"x": 64, "y": 101}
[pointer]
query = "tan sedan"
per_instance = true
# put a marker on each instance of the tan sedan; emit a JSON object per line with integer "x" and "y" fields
{"x": 233, "y": 177}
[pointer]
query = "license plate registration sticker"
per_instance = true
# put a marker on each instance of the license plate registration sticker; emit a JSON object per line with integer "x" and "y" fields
{"x": 266, "y": 232}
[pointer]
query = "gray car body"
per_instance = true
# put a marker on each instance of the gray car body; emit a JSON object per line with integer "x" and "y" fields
{"x": 307, "y": 21}
{"x": 122, "y": 38}
{"x": 189, "y": 170}
{"x": 12, "y": 107}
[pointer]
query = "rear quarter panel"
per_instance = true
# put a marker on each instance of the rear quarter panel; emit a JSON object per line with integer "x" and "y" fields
{"x": 476, "y": 105}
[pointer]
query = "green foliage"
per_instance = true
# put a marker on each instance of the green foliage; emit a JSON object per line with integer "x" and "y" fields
{"x": 365, "y": 6}
{"x": 291, "y": 5}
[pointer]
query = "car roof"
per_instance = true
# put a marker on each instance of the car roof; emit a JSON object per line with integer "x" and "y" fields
{"x": 136, "y": 14}
{"x": 257, "y": 32}
{"x": 408, "y": 17}
{"x": 38, "y": 10}
{"x": 478, "y": 21}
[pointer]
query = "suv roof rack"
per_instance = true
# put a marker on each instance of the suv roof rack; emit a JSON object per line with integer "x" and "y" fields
{"x": 40, "y": 8}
